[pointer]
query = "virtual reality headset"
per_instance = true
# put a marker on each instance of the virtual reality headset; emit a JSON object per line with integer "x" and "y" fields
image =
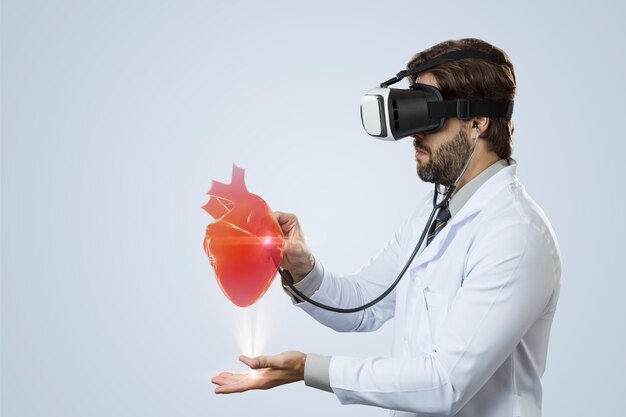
{"x": 392, "y": 114}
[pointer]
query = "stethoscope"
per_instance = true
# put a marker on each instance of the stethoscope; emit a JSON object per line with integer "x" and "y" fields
{"x": 437, "y": 205}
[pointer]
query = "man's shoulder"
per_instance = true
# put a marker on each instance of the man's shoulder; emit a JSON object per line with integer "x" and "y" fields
{"x": 517, "y": 204}
{"x": 514, "y": 215}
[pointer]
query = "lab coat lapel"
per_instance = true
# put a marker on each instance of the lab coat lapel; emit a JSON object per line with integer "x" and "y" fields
{"x": 476, "y": 203}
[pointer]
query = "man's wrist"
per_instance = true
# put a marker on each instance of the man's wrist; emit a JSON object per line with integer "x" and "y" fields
{"x": 301, "y": 367}
{"x": 300, "y": 273}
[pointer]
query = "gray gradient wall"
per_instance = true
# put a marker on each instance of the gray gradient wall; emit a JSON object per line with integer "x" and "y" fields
{"x": 117, "y": 115}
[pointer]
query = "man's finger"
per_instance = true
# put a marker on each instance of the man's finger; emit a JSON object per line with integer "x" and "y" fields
{"x": 229, "y": 383}
{"x": 218, "y": 380}
{"x": 276, "y": 215}
{"x": 263, "y": 362}
{"x": 281, "y": 217}
{"x": 237, "y": 383}
{"x": 239, "y": 386}
{"x": 248, "y": 361}
{"x": 219, "y": 377}
{"x": 225, "y": 378}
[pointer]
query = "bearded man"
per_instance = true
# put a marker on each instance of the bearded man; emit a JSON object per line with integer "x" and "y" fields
{"x": 472, "y": 319}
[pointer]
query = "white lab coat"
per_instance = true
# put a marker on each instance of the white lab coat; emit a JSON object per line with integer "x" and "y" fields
{"x": 472, "y": 314}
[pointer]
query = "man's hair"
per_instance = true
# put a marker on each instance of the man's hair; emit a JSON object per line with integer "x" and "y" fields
{"x": 475, "y": 79}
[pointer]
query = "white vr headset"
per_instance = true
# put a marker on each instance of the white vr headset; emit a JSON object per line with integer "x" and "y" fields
{"x": 392, "y": 114}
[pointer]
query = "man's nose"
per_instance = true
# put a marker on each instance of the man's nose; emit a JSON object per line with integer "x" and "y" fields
{"x": 417, "y": 137}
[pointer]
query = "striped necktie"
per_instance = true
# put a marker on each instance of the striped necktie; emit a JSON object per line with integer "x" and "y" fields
{"x": 443, "y": 215}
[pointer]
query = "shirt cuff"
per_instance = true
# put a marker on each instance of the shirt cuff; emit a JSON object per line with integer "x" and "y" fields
{"x": 307, "y": 285}
{"x": 317, "y": 372}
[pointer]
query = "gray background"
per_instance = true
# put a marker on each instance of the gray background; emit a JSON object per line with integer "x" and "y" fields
{"x": 117, "y": 115}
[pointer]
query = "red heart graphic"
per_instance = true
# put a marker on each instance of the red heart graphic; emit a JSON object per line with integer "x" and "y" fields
{"x": 245, "y": 244}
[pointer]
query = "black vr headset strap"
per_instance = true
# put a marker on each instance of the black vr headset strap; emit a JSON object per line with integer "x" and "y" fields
{"x": 443, "y": 58}
{"x": 455, "y": 56}
{"x": 464, "y": 109}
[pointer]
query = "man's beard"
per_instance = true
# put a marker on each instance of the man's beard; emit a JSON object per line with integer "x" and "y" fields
{"x": 446, "y": 163}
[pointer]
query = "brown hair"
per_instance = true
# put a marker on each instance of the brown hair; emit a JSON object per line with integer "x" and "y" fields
{"x": 475, "y": 79}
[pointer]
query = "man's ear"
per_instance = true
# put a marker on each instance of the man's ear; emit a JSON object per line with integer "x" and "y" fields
{"x": 482, "y": 123}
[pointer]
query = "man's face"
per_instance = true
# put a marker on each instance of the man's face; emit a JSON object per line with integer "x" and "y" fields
{"x": 441, "y": 155}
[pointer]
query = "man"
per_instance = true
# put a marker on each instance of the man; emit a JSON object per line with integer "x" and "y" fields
{"x": 473, "y": 316}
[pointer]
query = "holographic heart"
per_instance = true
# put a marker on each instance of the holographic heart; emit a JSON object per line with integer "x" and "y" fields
{"x": 244, "y": 244}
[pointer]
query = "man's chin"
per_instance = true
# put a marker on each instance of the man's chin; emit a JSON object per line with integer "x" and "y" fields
{"x": 429, "y": 176}
{"x": 424, "y": 176}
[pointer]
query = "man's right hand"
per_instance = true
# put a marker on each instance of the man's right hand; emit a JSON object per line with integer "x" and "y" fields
{"x": 297, "y": 258}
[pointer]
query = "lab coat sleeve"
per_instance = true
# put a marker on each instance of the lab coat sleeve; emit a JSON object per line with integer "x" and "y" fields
{"x": 362, "y": 287}
{"x": 510, "y": 276}
{"x": 307, "y": 285}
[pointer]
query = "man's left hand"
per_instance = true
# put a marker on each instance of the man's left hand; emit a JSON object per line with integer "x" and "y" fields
{"x": 265, "y": 372}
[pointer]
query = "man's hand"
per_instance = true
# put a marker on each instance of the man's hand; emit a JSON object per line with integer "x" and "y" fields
{"x": 297, "y": 258}
{"x": 266, "y": 372}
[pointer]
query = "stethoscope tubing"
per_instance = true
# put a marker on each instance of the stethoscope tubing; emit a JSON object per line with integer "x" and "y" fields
{"x": 286, "y": 275}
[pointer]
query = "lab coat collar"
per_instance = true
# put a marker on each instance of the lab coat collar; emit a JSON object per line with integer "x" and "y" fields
{"x": 464, "y": 193}
{"x": 487, "y": 191}
{"x": 477, "y": 202}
